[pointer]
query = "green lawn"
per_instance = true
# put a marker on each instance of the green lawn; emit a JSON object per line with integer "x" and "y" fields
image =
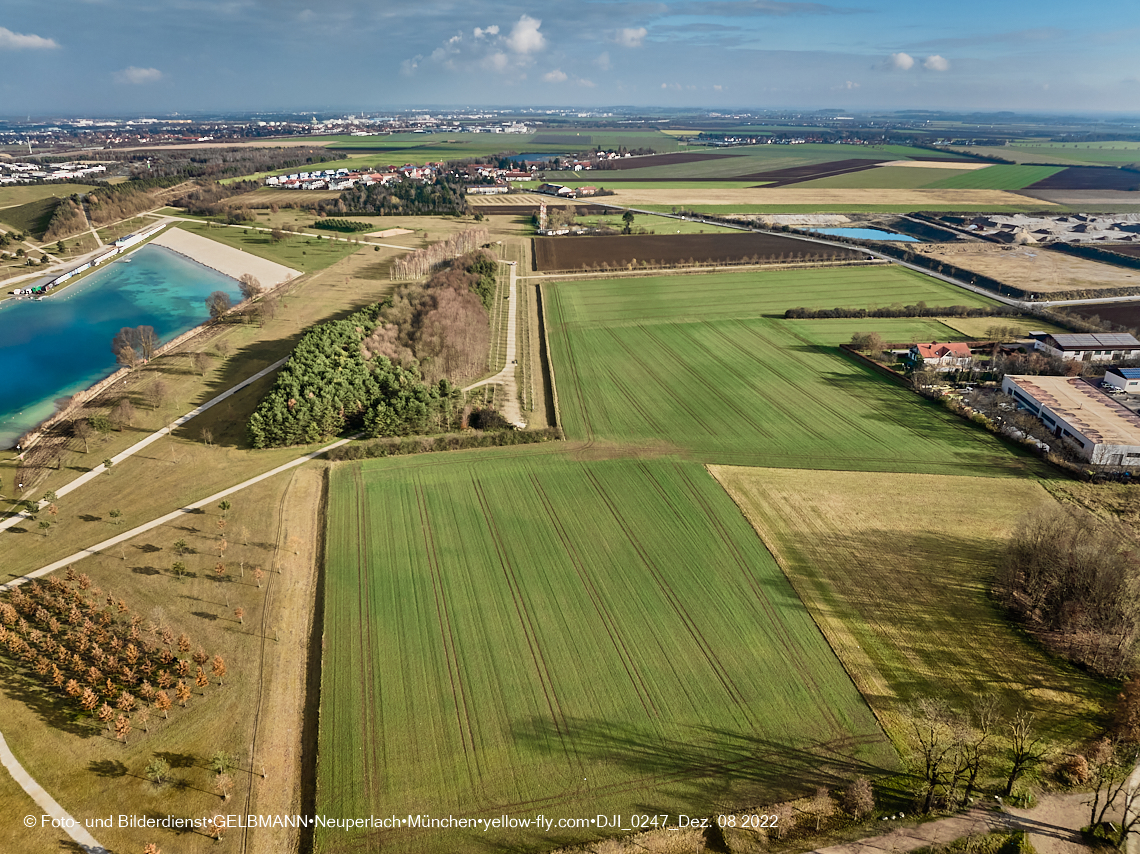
{"x": 24, "y": 193}
{"x": 300, "y": 253}
{"x": 534, "y": 634}
{"x": 1031, "y": 206}
{"x": 32, "y": 218}
{"x": 715, "y": 296}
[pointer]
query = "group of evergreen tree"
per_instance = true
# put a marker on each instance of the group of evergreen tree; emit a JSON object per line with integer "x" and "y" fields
{"x": 329, "y": 386}
{"x": 389, "y": 369}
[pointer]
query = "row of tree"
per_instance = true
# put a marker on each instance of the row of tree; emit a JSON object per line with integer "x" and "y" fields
{"x": 423, "y": 261}
{"x": 920, "y": 309}
{"x": 445, "y": 195}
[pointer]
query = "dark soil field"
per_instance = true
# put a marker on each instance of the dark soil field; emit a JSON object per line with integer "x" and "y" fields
{"x": 1131, "y": 250}
{"x": 1121, "y": 313}
{"x": 663, "y": 250}
{"x": 657, "y": 160}
{"x": 1090, "y": 178}
{"x": 796, "y": 174}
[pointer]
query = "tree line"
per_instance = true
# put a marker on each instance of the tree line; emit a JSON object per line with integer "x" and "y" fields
{"x": 445, "y": 195}
{"x": 387, "y": 370}
{"x": 920, "y": 309}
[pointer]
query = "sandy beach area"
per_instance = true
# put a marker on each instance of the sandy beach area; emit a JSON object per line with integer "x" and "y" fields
{"x": 225, "y": 259}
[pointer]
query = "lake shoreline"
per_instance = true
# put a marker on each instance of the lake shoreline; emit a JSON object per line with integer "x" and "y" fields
{"x": 25, "y": 434}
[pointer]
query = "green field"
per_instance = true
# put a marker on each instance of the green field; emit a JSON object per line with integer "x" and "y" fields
{"x": 997, "y": 177}
{"x": 534, "y": 634}
{"x": 716, "y": 296}
{"x": 914, "y": 619}
{"x": 31, "y": 218}
{"x": 883, "y": 178}
{"x": 1031, "y": 206}
{"x": 689, "y": 364}
{"x": 24, "y": 193}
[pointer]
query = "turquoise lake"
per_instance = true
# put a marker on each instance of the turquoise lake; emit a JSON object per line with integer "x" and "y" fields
{"x": 868, "y": 234}
{"x": 57, "y": 346}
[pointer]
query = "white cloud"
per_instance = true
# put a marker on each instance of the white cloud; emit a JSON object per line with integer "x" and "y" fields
{"x": 138, "y": 75}
{"x": 850, "y": 85}
{"x": 555, "y": 76}
{"x": 603, "y": 61}
{"x": 525, "y": 37}
{"x": 631, "y": 36}
{"x": 498, "y": 60}
{"x": 936, "y": 63}
{"x": 492, "y": 30}
{"x": 408, "y": 66}
{"x": 717, "y": 87}
{"x": 902, "y": 61}
{"x": 589, "y": 84}
{"x": 18, "y": 41}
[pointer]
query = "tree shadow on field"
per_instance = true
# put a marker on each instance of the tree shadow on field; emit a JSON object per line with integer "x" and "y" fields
{"x": 111, "y": 768}
{"x": 146, "y": 570}
{"x": 714, "y": 765}
{"x": 177, "y": 760}
{"x": 54, "y": 710}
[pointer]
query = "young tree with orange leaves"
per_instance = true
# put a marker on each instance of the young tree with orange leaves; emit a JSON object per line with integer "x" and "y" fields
{"x": 240, "y": 614}
{"x": 182, "y": 692}
{"x": 122, "y": 728}
{"x": 219, "y": 668}
{"x": 201, "y": 679}
{"x": 162, "y": 703}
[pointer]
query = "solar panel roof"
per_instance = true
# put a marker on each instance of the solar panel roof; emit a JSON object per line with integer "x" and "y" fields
{"x": 1129, "y": 373}
{"x": 1100, "y": 339}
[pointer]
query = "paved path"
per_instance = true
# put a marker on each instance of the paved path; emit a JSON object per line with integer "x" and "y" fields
{"x": 46, "y": 802}
{"x": 169, "y": 517}
{"x": 138, "y": 446}
{"x": 506, "y": 377}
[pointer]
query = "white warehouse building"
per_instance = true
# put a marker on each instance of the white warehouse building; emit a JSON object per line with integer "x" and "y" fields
{"x": 1103, "y": 431}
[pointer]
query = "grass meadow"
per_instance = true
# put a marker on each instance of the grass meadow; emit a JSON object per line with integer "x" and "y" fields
{"x": 895, "y": 569}
{"x": 530, "y": 633}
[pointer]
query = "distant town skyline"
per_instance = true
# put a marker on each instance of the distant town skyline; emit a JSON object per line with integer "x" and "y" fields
{"x": 100, "y": 57}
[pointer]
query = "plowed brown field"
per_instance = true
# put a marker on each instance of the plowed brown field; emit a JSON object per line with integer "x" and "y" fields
{"x": 660, "y": 250}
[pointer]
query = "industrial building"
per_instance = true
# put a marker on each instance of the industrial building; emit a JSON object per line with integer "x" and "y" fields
{"x": 1098, "y": 347}
{"x": 1102, "y": 431}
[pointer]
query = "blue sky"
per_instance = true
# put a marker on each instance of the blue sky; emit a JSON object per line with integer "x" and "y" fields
{"x": 97, "y": 57}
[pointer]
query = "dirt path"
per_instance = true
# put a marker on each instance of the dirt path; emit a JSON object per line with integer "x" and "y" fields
{"x": 507, "y": 376}
{"x": 284, "y": 663}
{"x": 1053, "y": 827}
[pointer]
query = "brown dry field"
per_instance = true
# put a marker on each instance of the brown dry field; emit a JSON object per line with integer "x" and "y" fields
{"x": 917, "y": 199}
{"x": 1032, "y": 268}
{"x": 259, "y": 711}
{"x": 581, "y": 253}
